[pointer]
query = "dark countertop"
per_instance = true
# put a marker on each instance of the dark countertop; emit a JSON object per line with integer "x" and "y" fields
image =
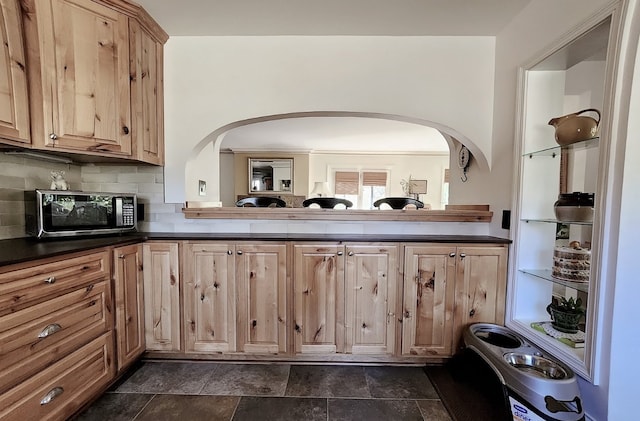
{"x": 21, "y": 250}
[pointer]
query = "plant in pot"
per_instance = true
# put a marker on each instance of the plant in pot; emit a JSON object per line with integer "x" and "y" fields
{"x": 565, "y": 314}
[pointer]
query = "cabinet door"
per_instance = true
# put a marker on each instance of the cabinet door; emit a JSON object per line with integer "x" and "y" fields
{"x": 481, "y": 276}
{"x": 370, "y": 295}
{"x": 14, "y": 105}
{"x": 161, "y": 296}
{"x": 129, "y": 303}
{"x": 147, "y": 104}
{"x": 429, "y": 279}
{"x": 83, "y": 52}
{"x": 261, "y": 281}
{"x": 209, "y": 297}
{"x": 318, "y": 290}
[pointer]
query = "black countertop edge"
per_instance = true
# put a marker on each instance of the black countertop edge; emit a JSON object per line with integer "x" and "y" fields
{"x": 20, "y": 250}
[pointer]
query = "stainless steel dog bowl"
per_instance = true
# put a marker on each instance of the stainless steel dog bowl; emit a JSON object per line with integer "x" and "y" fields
{"x": 497, "y": 336}
{"x": 536, "y": 365}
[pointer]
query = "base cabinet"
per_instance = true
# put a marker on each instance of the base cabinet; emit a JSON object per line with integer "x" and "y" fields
{"x": 344, "y": 298}
{"x": 481, "y": 279}
{"x": 56, "y": 335}
{"x": 235, "y": 297}
{"x": 428, "y": 297}
{"x": 318, "y": 298}
{"x": 446, "y": 288}
{"x": 209, "y": 297}
{"x": 56, "y": 392}
{"x": 161, "y": 296}
{"x": 128, "y": 284}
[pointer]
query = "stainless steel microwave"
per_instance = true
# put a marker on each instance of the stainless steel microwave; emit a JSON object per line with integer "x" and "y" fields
{"x": 65, "y": 213}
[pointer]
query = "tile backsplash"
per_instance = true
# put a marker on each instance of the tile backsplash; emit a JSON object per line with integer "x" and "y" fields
{"x": 18, "y": 174}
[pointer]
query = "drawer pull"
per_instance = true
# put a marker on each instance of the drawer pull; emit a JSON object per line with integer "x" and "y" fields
{"x": 53, "y": 393}
{"x": 49, "y": 330}
{"x": 50, "y": 280}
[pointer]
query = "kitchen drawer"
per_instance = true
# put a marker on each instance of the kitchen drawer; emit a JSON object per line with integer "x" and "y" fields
{"x": 22, "y": 286}
{"x": 59, "y": 391}
{"x": 36, "y": 336}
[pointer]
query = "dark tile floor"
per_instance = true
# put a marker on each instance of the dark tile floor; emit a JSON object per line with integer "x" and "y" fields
{"x": 192, "y": 391}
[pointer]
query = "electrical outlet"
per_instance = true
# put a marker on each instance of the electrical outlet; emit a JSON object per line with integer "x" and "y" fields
{"x": 202, "y": 187}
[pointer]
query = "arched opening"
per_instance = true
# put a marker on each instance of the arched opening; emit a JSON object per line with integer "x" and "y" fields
{"x": 221, "y": 157}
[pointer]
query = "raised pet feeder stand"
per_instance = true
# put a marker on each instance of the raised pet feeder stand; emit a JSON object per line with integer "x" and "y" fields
{"x": 537, "y": 386}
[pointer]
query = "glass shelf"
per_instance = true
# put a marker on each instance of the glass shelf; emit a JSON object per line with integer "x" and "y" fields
{"x": 555, "y": 150}
{"x": 555, "y": 221}
{"x": 546, "y": 275}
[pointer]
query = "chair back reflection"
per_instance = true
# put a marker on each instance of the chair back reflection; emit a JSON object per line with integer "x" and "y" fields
{"x": 398, "y": 202}
{"x": 261, "y": 202}
{"x": 327, "y": 202}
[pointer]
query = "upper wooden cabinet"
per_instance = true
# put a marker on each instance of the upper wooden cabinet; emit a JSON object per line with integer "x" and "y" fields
{"x": 95, "y": 72}
{"x": 79, "y": 54}
{"x": 14, "y": 106}
{"x": 147, "y": 95}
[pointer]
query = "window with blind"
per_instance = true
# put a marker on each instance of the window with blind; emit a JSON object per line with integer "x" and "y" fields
{"x": 361, "y": 187}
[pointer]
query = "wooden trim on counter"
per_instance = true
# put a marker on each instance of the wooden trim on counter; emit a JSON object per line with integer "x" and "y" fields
{"x": 408, "y": 215}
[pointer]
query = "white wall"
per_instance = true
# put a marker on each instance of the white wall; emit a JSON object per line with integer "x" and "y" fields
{"x": 214, "y": 81}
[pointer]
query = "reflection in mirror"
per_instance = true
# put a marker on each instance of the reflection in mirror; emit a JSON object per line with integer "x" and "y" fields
{"x": 319, "y": 148}
{"x": 271, "y": 175}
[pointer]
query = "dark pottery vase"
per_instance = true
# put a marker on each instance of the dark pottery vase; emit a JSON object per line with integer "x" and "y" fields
{"x": 563, "y": 321}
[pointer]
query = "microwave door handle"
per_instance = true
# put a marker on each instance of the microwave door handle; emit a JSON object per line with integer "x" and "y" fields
{"x": 119, "y": 218}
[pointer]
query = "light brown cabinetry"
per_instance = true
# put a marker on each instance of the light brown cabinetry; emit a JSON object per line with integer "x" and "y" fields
{"x": 128, "y": 284}
{"x": 235, "y": 297}
{"x": 427, "y": 318}
{"x": 345, "y": 298}
{"x": 56, "y": 343}
{"x": 318, "y": 291}
{"x": 370, "y": 298}
{"x": 79, "y": 72}
{"x": 446, "y": 288}
{"x": 147, "y": 95}
{"x": 14, "y": 105}
{"x": 161, "y": 296}
{"x": 209, "y": 297}
{"x": 481, "y": 279}
{"x": 261, "y": 285}
{"x": 57, "y": 392}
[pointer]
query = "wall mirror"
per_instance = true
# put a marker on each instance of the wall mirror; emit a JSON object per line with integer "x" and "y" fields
{"x": 271, "y": 175}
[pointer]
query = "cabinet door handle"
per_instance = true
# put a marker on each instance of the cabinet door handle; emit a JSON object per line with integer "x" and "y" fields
{"x": 340, "y": 253}
{"x": 350, "y": 253}
{"x": 53, "y": 136}
{"x": 125, "y": 129}
{"x": 240, "y": 252}
{"x": 407, "y": 314}
{"x": 121, "y": 256}
{"x": 390, "y": 315}
{"x": 49, "y": 330}
{"x": 229, "y": 252}
{"x": 462, "y": 256}
{"x": 452, "y": 254}
{"x": 50, "y": 280}
{"x": 51, "y": 395}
